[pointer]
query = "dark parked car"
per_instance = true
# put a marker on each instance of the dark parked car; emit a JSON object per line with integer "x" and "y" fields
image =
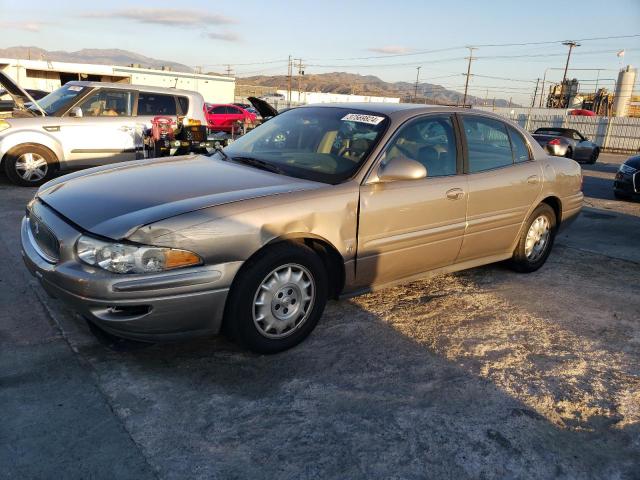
{"x": 627, "y": 182}
{"x": 567, "y": 142}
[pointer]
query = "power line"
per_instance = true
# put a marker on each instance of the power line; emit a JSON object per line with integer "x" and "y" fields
{"x": 488, "y": 45}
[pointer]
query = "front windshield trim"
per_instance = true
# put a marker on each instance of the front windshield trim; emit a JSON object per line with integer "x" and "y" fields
{"x": 320, "y": 143}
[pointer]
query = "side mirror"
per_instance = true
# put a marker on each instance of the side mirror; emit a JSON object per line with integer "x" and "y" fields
{"x": 75, "y": 112}
{"x": 401, "y": 168}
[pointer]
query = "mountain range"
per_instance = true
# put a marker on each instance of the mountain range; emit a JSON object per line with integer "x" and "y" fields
{"x": 351, "y": 83}
{"x": 336, "y": 82}
{"x": 101, "y": 56}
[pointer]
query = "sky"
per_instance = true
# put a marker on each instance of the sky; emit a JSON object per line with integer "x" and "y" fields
{"x": 374, "y": 37}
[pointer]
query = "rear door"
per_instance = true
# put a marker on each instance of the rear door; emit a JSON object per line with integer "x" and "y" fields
{"x": 151, "y": 105}
{"x": 104, "y": 134}
{"x": 217, "y": 117}
{"x": 408, "y": 227}
{"x": 504, "y": 182}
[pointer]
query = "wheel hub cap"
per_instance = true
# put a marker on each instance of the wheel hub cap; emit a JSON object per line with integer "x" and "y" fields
{"x": 537, "y": 238}
{"x": 31, "y": 167}
{"x": 283, "y": 301}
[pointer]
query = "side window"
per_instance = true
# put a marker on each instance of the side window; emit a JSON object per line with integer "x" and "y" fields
{"x": 108, "y": 103}
{"x": 183, "y": 105}
{"x": 218, "y": 110}
{"x": 234, "y": 110}
{"x": 520, "y": 149}
{"x": 487, "y": 143}
{"x": 156, "y": 104}
{"x": 431, "y": 141}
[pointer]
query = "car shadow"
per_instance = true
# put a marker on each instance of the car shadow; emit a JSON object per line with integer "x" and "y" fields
{"x": 441, "y": 378}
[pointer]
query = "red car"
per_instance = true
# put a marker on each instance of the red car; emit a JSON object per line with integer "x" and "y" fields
{"x": 224, "y": 117}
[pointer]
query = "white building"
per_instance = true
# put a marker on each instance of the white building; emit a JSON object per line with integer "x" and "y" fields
{"x": 48, "y": 76}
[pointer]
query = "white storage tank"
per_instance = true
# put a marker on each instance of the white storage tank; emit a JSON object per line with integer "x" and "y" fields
{"x": 624, "y": 90}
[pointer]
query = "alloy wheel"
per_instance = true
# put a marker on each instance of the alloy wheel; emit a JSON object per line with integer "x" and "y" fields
{"x": 31, "y": 167}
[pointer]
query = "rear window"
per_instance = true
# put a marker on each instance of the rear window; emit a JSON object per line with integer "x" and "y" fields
{"x": 183, "y": 105}
{"x": 156, "y": 104}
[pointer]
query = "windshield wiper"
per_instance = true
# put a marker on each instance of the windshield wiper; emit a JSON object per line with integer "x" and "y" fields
{"x": 254, "y": 162}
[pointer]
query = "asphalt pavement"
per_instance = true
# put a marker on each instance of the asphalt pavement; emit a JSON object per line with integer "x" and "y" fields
{"x": 481, "y": 374}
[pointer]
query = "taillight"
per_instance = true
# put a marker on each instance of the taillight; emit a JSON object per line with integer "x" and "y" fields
{"x": 555, "y": 141}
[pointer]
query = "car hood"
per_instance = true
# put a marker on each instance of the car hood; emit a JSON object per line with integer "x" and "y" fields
{"x": 633, "y": 162}
{"x": 115, "y": 201}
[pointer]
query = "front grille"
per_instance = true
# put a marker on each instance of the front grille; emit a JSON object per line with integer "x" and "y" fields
{"x": 43, "y": 240}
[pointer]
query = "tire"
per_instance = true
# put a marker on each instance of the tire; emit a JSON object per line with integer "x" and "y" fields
{"x": 594, "y": 156}
{"x": 621, "y": 196}
{"x": 257, "y": 317}
{"x": 24, "y": 165}
{"x": 568, "y": 153}
{"x": 528, "y": 259}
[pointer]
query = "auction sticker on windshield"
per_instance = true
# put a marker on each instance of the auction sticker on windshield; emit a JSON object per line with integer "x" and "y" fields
{"x": 359, "y": 117}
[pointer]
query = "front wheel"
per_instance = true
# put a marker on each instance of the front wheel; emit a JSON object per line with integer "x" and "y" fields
{"x": 29, "y": 165}
{"x": 594, "y": 156}
{"x": 277, "y": 299}
{"x": 536, "y": 240}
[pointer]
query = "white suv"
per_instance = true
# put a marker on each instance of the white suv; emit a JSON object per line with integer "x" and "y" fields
{"x": 83, "y": 124}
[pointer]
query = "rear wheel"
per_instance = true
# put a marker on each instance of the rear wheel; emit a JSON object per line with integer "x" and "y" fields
{"x": 594, "y": 156}
{"x": 29, "y": 165}
{"x": 277, "y": 299}
{"x": 535, "y": 240}
{"x": 569, "y": 153}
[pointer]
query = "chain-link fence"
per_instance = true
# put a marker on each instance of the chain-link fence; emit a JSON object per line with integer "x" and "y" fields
{"x": 612, "y": 134}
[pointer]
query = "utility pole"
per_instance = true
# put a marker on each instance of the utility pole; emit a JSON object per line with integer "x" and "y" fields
{"x": 415, "y": 90}
{"x": 289, "y": 73}
{"x": 300, "y": 73}
{"x": 535, "y": 93}
{"x": 570, "y": 44}
{"x": 466, "y": 83}
{"x": 229, "y": 70}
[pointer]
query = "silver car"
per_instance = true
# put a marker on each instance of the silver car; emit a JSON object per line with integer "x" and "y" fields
{"x": 567, "y": 142}
{"x": 83, "y": 124}
{"x": 318, "y": 202}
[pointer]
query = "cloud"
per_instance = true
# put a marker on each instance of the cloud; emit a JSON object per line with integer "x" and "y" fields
{"x": 26, "y": 26}
{"x": 164, "y": 16}
{"x": 225, "y": 36}
{"x": 390, "y": 49}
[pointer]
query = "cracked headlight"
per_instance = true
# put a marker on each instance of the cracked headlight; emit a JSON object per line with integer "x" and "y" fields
{"x": 126, "y": 258}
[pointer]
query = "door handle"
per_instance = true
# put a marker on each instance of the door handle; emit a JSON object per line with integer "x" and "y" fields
{"x": 533, "y": 179}
{"x": 455, "y": 194}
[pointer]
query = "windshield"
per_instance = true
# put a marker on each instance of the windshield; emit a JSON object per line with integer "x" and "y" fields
{"x": 323, "y": 144}
{"x": 59, "y": 98}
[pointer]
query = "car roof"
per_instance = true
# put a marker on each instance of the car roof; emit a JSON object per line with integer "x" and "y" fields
{"x": 129, "y": 86}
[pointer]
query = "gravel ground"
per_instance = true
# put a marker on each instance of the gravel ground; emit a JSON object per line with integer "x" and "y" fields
{"x": 482, "y": 374}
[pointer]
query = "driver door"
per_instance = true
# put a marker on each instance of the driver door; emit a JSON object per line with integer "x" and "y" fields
{"x": 105, "y": 133}
{"x": 411, "y": 226}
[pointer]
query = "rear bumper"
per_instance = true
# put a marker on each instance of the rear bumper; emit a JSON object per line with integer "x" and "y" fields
{"x": 157, "y": 307}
